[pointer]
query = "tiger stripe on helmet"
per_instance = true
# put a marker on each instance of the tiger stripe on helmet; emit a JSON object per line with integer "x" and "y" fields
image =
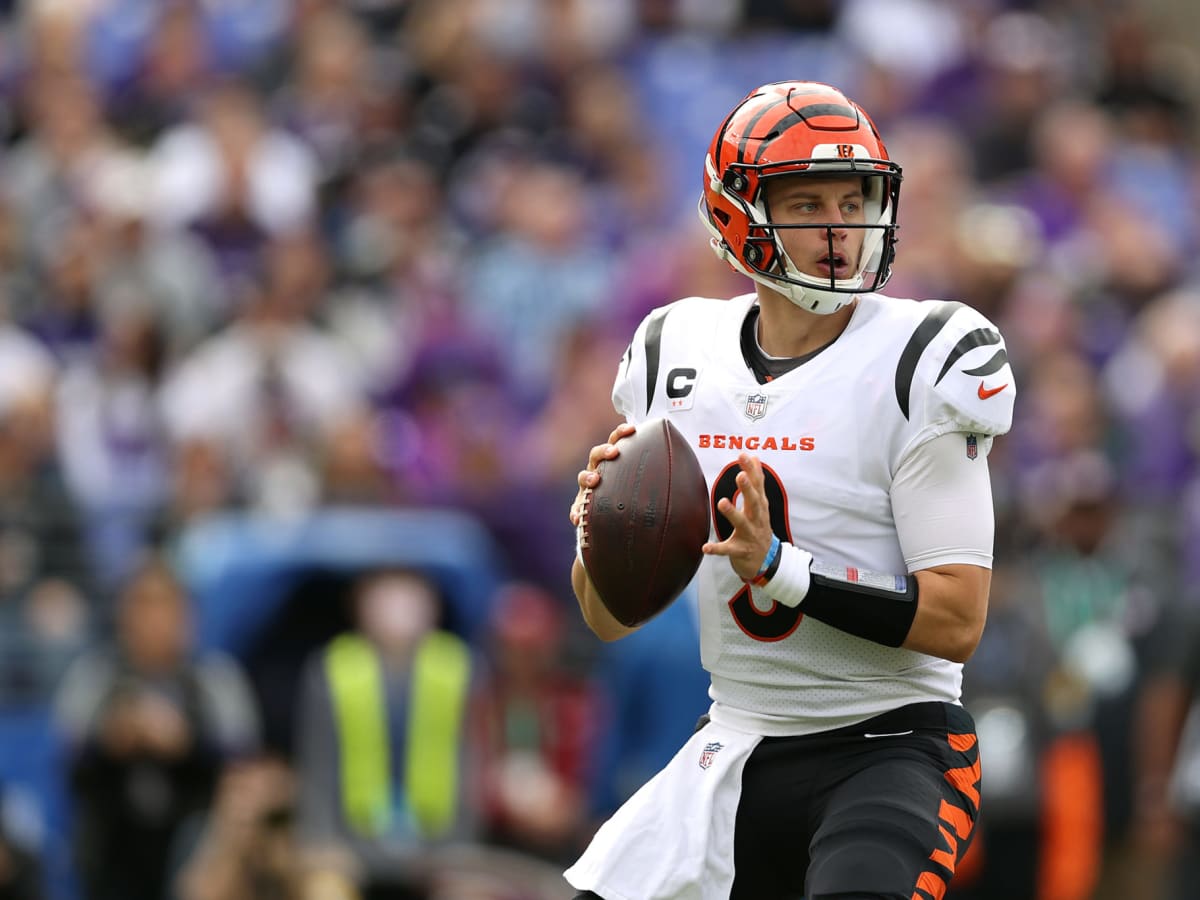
{"x": 823, "y": 104}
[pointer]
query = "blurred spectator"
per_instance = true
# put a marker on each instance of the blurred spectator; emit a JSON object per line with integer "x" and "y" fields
{"x": 20, "y": 875}
{"x": 1026, "y": 59}
{"x": 250, "y": 410}
{"x": 912, "y": 40}
{"x": 538, "y": 728}
{"x": 1064, "y": 413}
{"x": 152, "y": 86}
{"x": 449, "y": 423}
{"x": 49, "y": 168}
{"x": 247, "y": 849}
{"x": 401, "y": 254}
{"x": 112, "y": 442}
{"x": 171, "y": 269}
{"x": 1152, "y": 381}
{"x": 1107, "y": 596}
{"x": 148, "y": 727}
{"x": 540, "y": 277}
{"x": 233, "y": 177}
{"x": 328, "y": 96}
{"x": 66, "y": 315}
{"x": 1167, "y": 788}
{"x": 1042, "y": 836}
{"x": 1139, "y": 86}
{"x": 382, "y": 747}
{"x": 937, "y": 191}
{"x": 44, "y": 569}
{"x": 476, "y": 82}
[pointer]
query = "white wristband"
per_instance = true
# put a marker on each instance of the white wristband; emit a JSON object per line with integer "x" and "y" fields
{"x": 791, "y": 581}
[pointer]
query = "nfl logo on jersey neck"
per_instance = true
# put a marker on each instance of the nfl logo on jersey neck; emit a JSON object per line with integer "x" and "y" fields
{"x": 756, "y": 406}
{"x": 710, "y": 750}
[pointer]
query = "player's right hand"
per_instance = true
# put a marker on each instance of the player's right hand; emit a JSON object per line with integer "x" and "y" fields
{"x": 747, "y": 545}
{"x": 589, "y": 477}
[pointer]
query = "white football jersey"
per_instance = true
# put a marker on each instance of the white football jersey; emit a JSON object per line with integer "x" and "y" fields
{"x": 831, "y": 434}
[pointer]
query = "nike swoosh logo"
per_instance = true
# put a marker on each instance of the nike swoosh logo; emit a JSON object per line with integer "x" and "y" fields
{"x": 984, "y": 393}
{"x": 889, "y": 734}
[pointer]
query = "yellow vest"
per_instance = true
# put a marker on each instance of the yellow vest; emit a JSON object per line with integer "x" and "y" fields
{"x": 438, "y": 693}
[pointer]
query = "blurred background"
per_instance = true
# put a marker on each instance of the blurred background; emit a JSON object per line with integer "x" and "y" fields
{"x": 309, "y": 313}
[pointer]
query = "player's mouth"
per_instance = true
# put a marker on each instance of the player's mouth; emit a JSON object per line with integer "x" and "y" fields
{"x": 835, "y": 266}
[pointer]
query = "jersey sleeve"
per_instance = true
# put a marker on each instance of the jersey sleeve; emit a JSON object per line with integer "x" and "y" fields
{"x": 954, "y": 376}
{"x": 942, "y": 504}
{"x": 639, "y": 376}
{"x": 629, "y": 395}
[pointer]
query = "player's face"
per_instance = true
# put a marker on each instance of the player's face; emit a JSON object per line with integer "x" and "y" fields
{"x": 834, "y": 202}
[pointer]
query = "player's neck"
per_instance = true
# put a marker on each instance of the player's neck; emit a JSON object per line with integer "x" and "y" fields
{"x": 786, "y": 330}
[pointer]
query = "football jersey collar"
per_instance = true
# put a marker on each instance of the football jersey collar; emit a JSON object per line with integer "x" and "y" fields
{"x": 768, "y": 368}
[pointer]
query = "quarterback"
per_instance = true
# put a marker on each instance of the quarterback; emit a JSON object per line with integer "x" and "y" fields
{"x": 844, "y": 437}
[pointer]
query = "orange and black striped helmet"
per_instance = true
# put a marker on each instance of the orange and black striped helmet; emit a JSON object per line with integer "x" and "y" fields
{"x": 798, "y": 128}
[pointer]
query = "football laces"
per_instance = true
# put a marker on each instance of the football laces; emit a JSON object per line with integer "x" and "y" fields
{"x": 581, "y": 535}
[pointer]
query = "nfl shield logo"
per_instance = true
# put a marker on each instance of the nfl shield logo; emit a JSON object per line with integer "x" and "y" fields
{"x": 756, "y": 406}
{"x": 710, "y": 750}
{"x": 972, "y": 447}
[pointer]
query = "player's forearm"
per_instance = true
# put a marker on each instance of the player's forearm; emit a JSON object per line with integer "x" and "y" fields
{"x": 939, "y": 611}
{"x": 595, "y": 614}
{"x": 952, "y": 612}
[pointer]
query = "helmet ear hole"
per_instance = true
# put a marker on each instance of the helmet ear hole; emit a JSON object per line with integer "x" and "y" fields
{"x": 735, "y": 181}
{"x": 721, "y": 216}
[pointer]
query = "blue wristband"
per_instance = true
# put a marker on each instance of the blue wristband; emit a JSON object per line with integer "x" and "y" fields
{"x": 768, "y": 561}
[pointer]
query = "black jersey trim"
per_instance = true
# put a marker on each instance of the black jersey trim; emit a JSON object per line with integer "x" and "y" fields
{"x": 767, "y": 368}
{"x": 933, "y": 323}
{"x": 980, "y": 337}
{"x": 995, "y": 364}
{"x": 654, "y": 329}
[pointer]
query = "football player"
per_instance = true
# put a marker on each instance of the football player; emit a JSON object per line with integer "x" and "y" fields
{"x": 844, "y": 436}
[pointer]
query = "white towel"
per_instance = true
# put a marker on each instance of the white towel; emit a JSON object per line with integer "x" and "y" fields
{"x": 673, "y": 839}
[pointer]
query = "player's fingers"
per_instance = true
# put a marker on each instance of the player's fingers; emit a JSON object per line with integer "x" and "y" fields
{"x": 621, "y": 431}
{"x": 587, "y": 478}
{"x": 751, "y": 499}
{"x": 753, "y": 486}
{"x": 754, "y": 498}
{"x": 752, "y": 466}
{"x": 736, "y": 517}
{"x": 600, "y": 453}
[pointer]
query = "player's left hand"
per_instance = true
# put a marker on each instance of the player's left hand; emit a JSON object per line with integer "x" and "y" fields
{"x": 588, "y": 478}
{"x": 747, "y": 546}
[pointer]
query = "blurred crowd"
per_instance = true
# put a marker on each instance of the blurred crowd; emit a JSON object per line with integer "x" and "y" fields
{"x": 266, "y": 259}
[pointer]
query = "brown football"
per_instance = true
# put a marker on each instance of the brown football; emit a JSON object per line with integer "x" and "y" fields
{"x": 643, "y": 525}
